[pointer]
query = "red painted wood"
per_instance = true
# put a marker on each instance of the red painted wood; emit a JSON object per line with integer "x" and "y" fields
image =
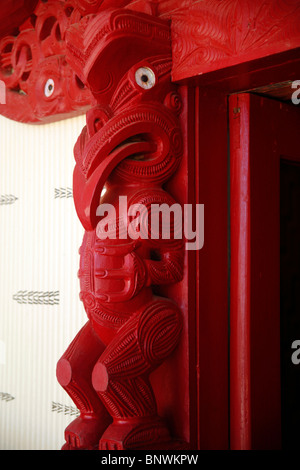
{"x": 210, "y": 123}
{"x": 221, "y": 48}
{"x": 211, "y": 41}
{"x": 13, "y": 13}
{"x": 261, "y": 132}
{"x": 40, "y": 85}
{"x": 133, "y": 290}
{"x": 212, "y": 35}
{"x": 240, "y": 398}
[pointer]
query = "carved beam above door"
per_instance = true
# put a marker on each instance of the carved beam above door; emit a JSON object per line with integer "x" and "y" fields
{"x": 211, "y": 35}
{"x": 207, "y": 36}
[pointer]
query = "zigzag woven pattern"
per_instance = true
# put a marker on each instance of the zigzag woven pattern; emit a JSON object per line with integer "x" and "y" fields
{"x": 6, "y": 199}
{"x": 65, "y": 409}
{"x": 35, "y": 297}
{"x": 6, "y": 397}
{"x": 63, "y": 193}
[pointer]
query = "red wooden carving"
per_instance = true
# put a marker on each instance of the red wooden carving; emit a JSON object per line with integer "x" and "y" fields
{"x": 40, "y": 84}
{"x": 131, "y": 145}
{"x": 212, "y": 35}
{"x": 15, "y": 13}
{"x": 207, "y": 36}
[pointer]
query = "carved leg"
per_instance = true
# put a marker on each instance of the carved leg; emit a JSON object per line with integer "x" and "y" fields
{"x": 74, "y": 372}
{"x": 121, "y": 376}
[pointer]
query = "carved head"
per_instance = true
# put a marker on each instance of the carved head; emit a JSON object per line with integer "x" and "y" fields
{"x": 124, "y": 58}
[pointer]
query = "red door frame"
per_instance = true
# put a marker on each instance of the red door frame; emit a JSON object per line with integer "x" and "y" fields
{"x": 208, "y": 141}
{"x": 240, "y": 294}
{"x": 262, "y": 131}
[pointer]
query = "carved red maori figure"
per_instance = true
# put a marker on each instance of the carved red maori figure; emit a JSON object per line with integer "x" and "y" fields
{"x": 131, "y": 145}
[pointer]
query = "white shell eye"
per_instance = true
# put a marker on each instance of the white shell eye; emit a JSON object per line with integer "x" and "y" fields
{"x": 145, "y": 78}
{"x": 49, "y": 88}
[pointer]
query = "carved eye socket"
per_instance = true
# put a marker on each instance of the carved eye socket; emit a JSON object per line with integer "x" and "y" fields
{"x": 49, "y": 88}
{"x": 145, "y": 78}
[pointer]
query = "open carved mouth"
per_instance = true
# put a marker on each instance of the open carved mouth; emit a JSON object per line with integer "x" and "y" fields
{"x": 141, "y": 147}
{"x": 138, "y": 147}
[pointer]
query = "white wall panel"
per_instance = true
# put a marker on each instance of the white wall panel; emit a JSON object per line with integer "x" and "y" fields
{"x": 40, "y": 311}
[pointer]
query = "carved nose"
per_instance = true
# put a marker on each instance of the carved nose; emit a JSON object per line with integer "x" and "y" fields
{"x": 96, "y": 118}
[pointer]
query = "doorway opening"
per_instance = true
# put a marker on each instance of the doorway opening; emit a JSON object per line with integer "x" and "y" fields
{"x": 290, "y": 302}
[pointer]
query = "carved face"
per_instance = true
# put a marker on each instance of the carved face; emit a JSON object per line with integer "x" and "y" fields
{"x": 133, "y": 130}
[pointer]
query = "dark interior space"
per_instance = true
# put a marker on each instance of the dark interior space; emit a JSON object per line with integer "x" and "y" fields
{"x": 290, "y": 302}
